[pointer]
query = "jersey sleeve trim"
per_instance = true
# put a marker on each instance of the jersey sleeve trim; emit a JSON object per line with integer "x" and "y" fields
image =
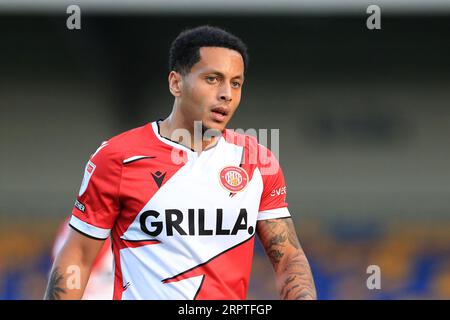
{"x": 274, "y": 214}
{"x": 89, "y": 230}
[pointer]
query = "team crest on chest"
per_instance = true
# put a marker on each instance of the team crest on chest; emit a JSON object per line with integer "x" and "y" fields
{"x": 234, "y": 179}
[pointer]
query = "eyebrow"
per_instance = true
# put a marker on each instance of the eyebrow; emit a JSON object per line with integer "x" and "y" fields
{"x": 241, "y": 77}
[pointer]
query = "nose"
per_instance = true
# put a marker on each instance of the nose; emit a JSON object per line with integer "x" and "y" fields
{"x": 225, "y": 93}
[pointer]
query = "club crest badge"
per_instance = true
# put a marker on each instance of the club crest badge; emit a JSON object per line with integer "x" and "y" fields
{"x": 234, "y": 179}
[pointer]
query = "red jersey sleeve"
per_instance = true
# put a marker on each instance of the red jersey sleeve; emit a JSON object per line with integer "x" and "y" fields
{"x": 97, "y": 205}
{"x": 273, "y": 200}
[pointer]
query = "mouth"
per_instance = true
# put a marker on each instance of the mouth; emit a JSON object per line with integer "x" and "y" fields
{"x": 220, "y": 113}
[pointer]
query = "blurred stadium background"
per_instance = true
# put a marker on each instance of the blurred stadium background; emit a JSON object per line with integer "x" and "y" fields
{"x": 364, "y": 119}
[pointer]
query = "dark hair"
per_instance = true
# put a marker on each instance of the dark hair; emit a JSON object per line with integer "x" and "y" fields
{"x": 185, "y": 49}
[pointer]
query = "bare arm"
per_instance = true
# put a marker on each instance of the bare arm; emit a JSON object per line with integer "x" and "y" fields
{"x": 72, "y": 267}
{"x": 294, "y": 279}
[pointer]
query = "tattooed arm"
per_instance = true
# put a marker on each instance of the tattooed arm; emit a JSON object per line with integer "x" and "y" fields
{"x": 294, "y": 279}
{"x": 72, "y": 267}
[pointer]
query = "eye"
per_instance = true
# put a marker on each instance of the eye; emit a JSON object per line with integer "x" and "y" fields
{"x": 236, "y": 84}
{"x": 211, "y": 79}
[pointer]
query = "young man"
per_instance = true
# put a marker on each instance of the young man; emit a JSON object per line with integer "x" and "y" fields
{"x": 182, "y": 198}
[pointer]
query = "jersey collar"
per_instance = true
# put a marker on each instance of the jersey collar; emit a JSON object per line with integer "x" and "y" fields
{"x": 174, "y": 144}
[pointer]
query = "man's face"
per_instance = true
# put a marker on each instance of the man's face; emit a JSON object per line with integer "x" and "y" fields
{"x": 211, "y": 91}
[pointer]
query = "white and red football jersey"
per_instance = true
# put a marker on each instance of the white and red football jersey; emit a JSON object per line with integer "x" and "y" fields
{"x": 182, "y": 225}
{"x": 100, "y": 284}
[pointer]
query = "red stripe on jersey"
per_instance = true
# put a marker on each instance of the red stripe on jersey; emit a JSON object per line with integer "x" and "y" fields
{"x": 136, "y": 244}
{"x": 222, "y": 277}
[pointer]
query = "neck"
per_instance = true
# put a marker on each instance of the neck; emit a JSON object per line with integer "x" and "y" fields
{"x": 170, "y": 128}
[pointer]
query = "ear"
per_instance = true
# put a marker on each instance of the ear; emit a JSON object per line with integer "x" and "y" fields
{"x": 175, "y": 83}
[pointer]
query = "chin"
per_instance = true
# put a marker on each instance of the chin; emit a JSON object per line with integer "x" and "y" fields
{"x": 218, "y": 127}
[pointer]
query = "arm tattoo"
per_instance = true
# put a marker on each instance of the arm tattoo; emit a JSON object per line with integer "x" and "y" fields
{"x": 294, "y": 276}
{"x": 278, "y": 239}
{"x": 299, "y": 281}
{"x": 275, "y": 256}
{"x": 54, "y": 288}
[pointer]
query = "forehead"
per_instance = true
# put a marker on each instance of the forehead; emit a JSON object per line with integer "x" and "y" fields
{"x": 223, "y": 60}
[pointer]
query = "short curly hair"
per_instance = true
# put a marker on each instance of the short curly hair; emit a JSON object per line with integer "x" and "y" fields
{"x": 185, "y": 49}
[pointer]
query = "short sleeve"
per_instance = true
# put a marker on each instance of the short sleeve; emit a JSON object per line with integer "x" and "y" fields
{"x": 273, "y": 203}
{"x": 97, "y": 205}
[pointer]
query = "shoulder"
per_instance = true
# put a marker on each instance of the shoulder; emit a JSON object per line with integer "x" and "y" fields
{"x": 254, "y": 152}
{"x": 119, "y": 145}
{"x": 130, "y": 138}
{"x": 248, "y": 142}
